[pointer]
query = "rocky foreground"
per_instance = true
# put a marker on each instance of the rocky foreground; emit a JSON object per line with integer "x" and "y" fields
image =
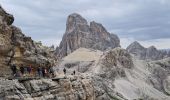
{"x": 70, "y": 88}
{"x": 112, "y": 75}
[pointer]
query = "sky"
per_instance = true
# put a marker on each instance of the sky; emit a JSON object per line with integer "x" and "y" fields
{"x": 146, "y": 21}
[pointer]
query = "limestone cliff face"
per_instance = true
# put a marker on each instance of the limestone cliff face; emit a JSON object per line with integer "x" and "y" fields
{"x": 80, "y": 34}
{"x": 143, "y": 53}
{"x": 73, "y": 88}
{"x": 114, "y": 62}
{"x": 17, "y": 48}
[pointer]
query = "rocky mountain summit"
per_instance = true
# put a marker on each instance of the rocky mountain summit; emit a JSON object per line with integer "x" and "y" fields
{"x": 16, "y": 48}
{"x": 150, "y": 53}
{"x": 80, "y": 34}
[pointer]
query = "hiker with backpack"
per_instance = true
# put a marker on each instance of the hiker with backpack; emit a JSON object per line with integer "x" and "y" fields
{"x": 22, "y": 69}
{"x": 64, "y": 70}
{"x": 14, "y": 69}
{"x": 39, "y": 70}
{"x": 51, "y": 71}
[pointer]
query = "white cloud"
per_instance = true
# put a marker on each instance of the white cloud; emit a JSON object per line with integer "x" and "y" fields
{"x": 159, "y": 43}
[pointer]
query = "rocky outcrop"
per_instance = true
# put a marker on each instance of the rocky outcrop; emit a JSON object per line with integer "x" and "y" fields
{"x": 143, "y": 53}
{"x": 16, "y": 48}
{"x": 72, "y": 88}
{"x": 80, "y": 34}
{"x": 113, "y": 63}
{"x": 115, "y": 74}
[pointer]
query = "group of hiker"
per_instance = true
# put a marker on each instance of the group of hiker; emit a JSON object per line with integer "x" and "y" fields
{"x": 20, "y": 71}
{"x": 30, "y": 71}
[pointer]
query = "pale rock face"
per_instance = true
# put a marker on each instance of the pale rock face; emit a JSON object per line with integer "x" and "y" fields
{"x": 143, "y": 53}
{"x": 116, "y": 74}
{"x": 114, "y": 62}
{"x": 80, "y": 34}
{"x": 75, "y": 88}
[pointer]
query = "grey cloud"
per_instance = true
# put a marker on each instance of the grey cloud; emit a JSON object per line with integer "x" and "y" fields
{"x": 139, "y": 19}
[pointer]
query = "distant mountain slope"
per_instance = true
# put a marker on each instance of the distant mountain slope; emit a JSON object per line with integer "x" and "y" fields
{"x": 143, "y": 53}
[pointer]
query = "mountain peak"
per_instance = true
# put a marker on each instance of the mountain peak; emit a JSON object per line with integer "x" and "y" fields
{"x": 74, "y": 20}
{"x": 152, "y": 47}
{"x": 80, "y": 34}
{"x": 97, "y": 27}
{"x": 6, "y": 17}
{"x": 135, "y": 45}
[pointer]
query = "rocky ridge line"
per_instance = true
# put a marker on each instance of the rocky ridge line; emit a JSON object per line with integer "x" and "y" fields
{"x": 150, "y": 53}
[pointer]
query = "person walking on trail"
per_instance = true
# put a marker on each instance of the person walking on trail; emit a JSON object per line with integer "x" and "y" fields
{"x": 18, "y": 72}
{"x": 64, "y": 70}
{"x": 74, "y": 72}
{"x": 46, "y": 72}
{"x": 14, "y": 69}
{"x": 25, "y": 70}
{"x": 51, "y": 71}
{"x": 43, "y": 71}
{"x": 39, "y": 70}
{"x": 29, "y": 69}
{"x": 22, "y": 69}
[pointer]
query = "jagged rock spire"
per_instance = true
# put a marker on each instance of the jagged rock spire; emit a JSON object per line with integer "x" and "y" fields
{"x": 80, "y": 34}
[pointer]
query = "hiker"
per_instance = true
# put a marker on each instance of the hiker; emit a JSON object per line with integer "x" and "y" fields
{"x": 74, "y": 72}
{"x": 14, "y": 69}
{"x": 46, "y": 72}
{"x": 18, "y": 72}
{"x": 22, "y": 69}
{"x": 64, "y": 70}
{"x": 51, "y": 71}
{"x": 39, "y": 70}
{"x": 25, "y": 70}
{"x": 43, "y": 71}
{"x": 29, "y": 69}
